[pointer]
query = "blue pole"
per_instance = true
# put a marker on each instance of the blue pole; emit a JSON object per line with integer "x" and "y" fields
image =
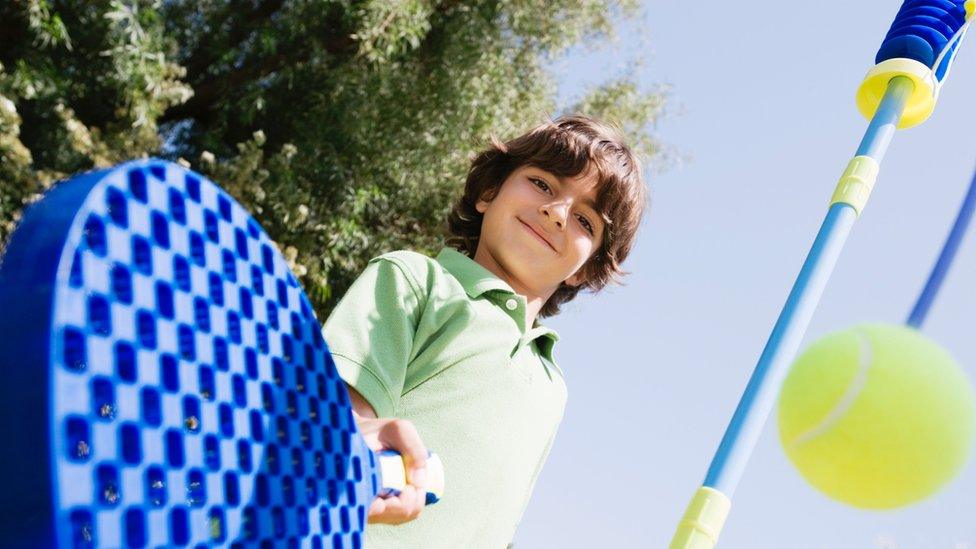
{"x": 760, "y": 394}
{"x": 949, "y": 249}
{"x": 896, "y": 92}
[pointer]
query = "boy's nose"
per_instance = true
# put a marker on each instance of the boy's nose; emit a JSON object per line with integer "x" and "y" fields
{"x": 556, "y": 211}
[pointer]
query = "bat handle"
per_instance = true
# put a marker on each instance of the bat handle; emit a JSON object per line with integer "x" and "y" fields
{"x": 703, "y": 520}
{"x": 394, "y": 475}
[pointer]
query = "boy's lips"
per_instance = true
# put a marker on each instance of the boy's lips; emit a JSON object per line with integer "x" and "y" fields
{"x": 538, "y": 234}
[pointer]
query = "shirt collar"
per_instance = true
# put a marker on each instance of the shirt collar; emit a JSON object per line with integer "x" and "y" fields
{"x": 474, "y": 278}
{"x": 477, "y": 280}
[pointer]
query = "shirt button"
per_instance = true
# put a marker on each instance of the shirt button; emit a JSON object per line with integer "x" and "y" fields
{"x": 511, "y": 304}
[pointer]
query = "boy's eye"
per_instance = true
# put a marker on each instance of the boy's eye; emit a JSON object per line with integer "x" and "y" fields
{"x": 540, "y": 183}
{"x": 586, "y": 224}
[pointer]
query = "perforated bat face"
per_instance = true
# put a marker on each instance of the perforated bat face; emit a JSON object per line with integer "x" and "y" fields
{"x": 170, "y": 378}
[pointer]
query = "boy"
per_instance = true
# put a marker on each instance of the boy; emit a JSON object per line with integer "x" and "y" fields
{"x": 450, "y": 350}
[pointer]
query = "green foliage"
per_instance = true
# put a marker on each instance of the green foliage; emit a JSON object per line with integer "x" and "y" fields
{"x": 344, "y": 126}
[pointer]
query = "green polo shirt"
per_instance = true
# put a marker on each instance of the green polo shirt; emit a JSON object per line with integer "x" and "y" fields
{"x": 444, "y": 343}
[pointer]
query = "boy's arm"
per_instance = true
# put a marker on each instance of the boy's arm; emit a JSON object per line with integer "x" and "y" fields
{"x": 360, "y": 408}
{"x": 399, "y": 435}
{"x": 370, "y": 334}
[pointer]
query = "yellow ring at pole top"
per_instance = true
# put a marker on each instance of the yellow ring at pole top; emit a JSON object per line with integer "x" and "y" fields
{"x": 919, "y": 105}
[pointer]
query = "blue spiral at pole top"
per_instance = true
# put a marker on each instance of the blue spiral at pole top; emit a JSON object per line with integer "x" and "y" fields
{"x": 921, "y": 30}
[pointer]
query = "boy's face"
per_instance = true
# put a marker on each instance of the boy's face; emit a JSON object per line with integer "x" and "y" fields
{"x": 539, "y": 229}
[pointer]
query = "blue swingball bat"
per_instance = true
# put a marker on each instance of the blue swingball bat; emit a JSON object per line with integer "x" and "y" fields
{"x": 164, "y": 381}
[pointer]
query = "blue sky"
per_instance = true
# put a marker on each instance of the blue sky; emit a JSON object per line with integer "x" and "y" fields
{"x": 763, "y": 110}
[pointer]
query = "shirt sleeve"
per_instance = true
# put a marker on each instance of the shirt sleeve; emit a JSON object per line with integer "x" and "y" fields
{"x": 371, "y": 332}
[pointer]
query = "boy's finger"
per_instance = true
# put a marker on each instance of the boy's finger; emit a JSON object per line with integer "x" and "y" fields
{"x": 377, "y": 508}
{"x": 396, "y": 509}
{"x": 412, "y": 502}
{"x": 402, "y": 436}
{"x": 417, "y": 476}
{"x": 420, "y": 498}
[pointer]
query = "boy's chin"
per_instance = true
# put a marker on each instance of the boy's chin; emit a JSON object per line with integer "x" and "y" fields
{"x": 527, "y": 254}
{"x": 530, "y": 268}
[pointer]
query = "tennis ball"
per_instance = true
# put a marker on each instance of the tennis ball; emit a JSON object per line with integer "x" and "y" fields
{"x": 877, "y": 416}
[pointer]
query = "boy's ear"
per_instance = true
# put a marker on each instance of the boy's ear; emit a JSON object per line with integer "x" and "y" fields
{"x": 486, "y": 197}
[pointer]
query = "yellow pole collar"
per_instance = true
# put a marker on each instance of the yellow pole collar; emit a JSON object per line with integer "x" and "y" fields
{"x": 703, "y": 520}
{"x": 857, "y": 182}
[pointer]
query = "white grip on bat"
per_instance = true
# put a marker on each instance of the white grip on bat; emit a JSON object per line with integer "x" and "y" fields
{"x": 394, "y": 475}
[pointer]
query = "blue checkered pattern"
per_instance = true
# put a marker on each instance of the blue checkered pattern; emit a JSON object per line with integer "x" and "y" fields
{"x": 188, "y": 394}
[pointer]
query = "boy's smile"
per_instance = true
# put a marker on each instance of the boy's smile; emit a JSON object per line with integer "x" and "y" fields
{"x": 539, "y": 230}
{"x": 537, "y": 233}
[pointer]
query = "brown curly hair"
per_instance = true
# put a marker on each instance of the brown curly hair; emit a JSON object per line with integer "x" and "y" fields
{"x": 564, "y": 147}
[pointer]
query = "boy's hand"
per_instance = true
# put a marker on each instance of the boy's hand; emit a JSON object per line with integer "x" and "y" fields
{"x": 401, "y": 436}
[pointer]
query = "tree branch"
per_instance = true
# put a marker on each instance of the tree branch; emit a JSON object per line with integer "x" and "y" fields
{"x": 209, "y": 91}
{"x": 204, "y": 57}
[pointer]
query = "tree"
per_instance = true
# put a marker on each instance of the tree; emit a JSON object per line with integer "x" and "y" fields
{"x": 345, "y": 126}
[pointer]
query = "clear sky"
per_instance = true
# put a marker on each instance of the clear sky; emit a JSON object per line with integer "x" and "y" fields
{"x": 763, "y": 107}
